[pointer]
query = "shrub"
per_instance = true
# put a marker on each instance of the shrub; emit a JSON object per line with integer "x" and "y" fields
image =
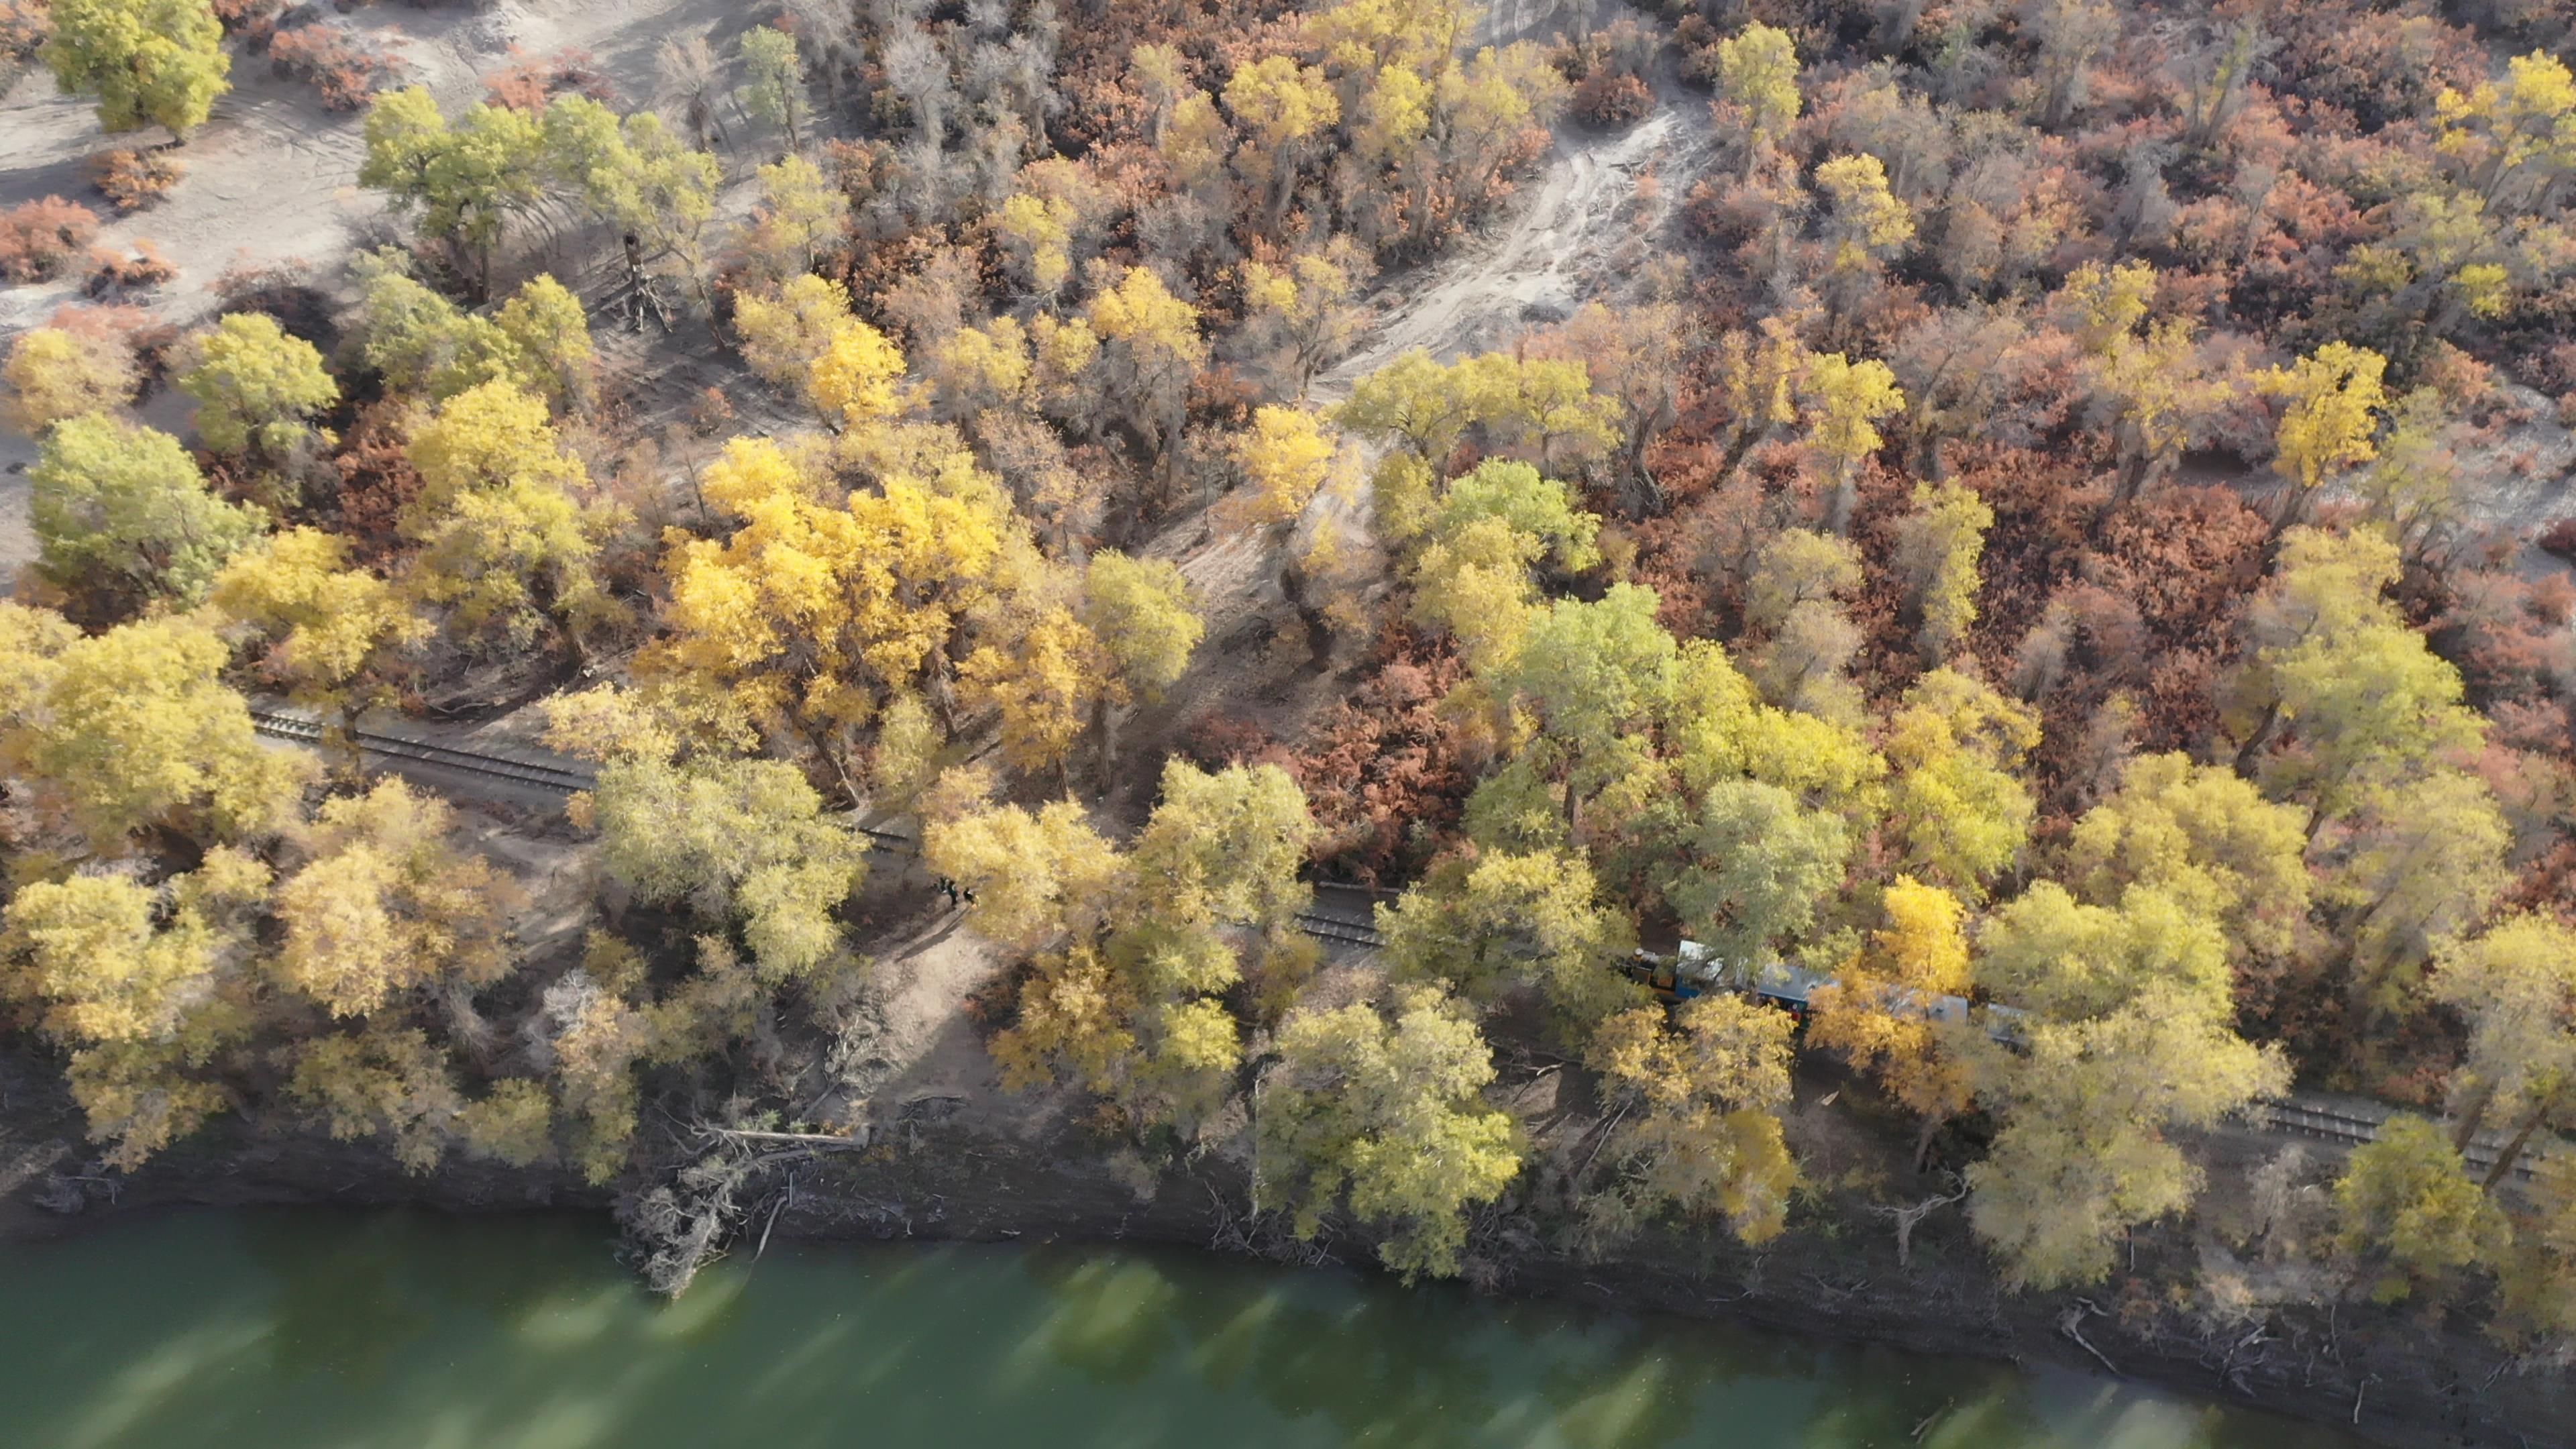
{"x": 112, "y": 273}
{"x": 24, "y": 27}
{"x": 1612, "y": 98}
{"x": 2560, "y": 538}
{"x": 530, "y": 82}
{"x": 347, "y": 73}
{"x": 132, "y": 180}
{"x": 39, "y": 238}
{"x": 55, "y": 373}
{"x": 281, "y": 288}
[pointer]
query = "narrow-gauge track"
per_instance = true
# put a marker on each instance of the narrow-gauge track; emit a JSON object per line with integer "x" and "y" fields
{"x": 1332, "y": 928}
{"x": 2338, "y": 1124}
{"x": 394, "y": 747}
{"x": 299, "y": 730}
{"x": 2306, "y": 1119}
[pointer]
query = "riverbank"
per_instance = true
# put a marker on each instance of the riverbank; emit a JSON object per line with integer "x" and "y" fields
{"x": 318, "y": 1328}
{"x": 2396, "y": 1380}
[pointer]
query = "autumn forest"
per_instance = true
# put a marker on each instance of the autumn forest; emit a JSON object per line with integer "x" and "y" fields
{"x": 1229, "y": 583}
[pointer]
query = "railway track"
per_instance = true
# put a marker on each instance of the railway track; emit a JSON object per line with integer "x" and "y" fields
{"x": 2325, "y": 1121}
{"x": 2353, "y": 1128}
{"x": 568, "y": 779}
{"x": 279, "y": 725}
{"x": 1337, "y": 930}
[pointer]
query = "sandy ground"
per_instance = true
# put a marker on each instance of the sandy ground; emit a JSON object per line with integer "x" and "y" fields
{"x": 1577, "y": 231}
{"x": 273, "y": 176}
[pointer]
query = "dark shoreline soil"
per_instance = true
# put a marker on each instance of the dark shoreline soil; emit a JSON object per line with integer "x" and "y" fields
{"x": 2396, "y": 1381}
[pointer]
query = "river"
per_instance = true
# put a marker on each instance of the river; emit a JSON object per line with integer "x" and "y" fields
{"x": 307, "y": 1328}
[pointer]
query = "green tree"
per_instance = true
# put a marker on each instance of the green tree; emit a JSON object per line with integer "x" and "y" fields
{"x": 122, "y": 516}
{"x": 1146, "y": 615}
{"x": 1594, "y": 677}
{"x": 1799, "y": 566}
{"x": 2539, "y": 1277}
{"x": 2366, "y": 705}
{"x": 1130, "y": 1008}
{"x": 2083, "y": 1154}
{"x": 1037, "y": 875}
{"x": 801, "y": 216}
{"x": 1761, "y": 865}
{"x": 1500, "y": 923}
{"x": 2204, "y": 837}
{"x": 548, "y": 336}
{"x": 1937, "y": 548}
{"x": 2409, "y": 1216}
{"x": 256, "y": 388}
{"x": 426, "y": 347}
{"x": 513, "y": 1123}
{"x": 773, "y": 80}
{"x": 741, "y": 843}
{"x": 466, "y": 180}
{"x": 1383, "y": 1114}
{"x": 2126, "y": 1037}
{"x": 504, "y": 546}
{"x": 2045, "y": 951}
{"x": 2425, "y": 860}
{"x": 1224, "y": 846}
{"x": 381, "y": 1081}
{"x": 1478, "y": 545}
{"x": 1414, "y": 399}
{"x": 149, "y": 62}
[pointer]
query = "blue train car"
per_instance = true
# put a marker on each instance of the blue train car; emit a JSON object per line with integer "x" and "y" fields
{"x": 1693, "y": 970}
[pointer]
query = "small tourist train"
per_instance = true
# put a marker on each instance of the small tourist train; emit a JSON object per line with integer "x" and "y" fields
{"x": 1693, "y": 969}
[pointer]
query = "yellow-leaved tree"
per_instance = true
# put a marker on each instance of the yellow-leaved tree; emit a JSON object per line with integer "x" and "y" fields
{"x": 1876, "y": 1011}
{"x": 811, "y": 615}
{"x": 386, "y": 904}
{"x": 507, "y": 548}
{"x": 1704, "y": 1136}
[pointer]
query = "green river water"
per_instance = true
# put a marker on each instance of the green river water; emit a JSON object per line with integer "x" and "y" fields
{"x": 314, "y": 1329}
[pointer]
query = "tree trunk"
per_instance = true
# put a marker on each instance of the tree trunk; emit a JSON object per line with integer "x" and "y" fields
{"x": 1104, "y": 718}
{"x": 2473, "y": 1116}
{"x": 2255, "y": 742}
{"x": 2511, "y": 1153}
{"x": 1898, "y": 24}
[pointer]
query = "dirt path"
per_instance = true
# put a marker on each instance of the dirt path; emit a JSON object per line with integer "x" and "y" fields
{"x": 1578, "y": 232}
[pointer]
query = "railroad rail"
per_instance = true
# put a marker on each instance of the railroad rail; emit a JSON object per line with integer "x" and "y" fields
{"x": 2334, "y": 1123}
{"x": 2326, "y": 1121}
{"x": 277, "y": 725}
{"x": 1339, "y": 931}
